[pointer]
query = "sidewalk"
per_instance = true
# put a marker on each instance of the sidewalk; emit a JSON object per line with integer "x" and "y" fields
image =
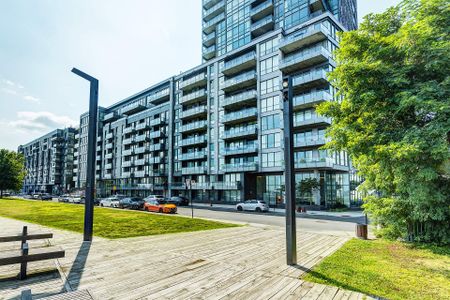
{"x": 350, "y": 216}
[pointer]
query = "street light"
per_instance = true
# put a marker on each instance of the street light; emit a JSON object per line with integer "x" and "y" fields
{"x": 90, "y": 168}
{"x": 289, "y": 173}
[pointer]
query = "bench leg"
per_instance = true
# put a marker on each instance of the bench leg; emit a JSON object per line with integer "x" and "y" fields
{"x": 23, "y": 265}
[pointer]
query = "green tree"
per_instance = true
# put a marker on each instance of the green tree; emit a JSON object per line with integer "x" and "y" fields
{"x": 11, "y": 171}
{"x": 307, "y": 186}
{"x": 394, "y": 117}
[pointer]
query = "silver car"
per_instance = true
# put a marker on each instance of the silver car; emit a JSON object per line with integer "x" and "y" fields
{"x": 253, "y": 205}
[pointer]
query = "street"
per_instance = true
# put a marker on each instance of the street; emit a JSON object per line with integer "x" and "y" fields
{"x": 307, "y": 224}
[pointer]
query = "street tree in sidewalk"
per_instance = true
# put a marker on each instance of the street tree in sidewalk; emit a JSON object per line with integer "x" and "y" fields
{"x": 394, "y": 117}
{"x": 12, "y": 171}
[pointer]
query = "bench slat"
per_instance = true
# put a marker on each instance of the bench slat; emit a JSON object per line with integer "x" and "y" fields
{"x": 15, "y": 238}
{"x": 19, "y": 258}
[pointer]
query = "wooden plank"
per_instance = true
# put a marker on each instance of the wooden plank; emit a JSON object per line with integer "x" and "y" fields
{"x": 17, "y": 238}
{"x": 43, "y": 254}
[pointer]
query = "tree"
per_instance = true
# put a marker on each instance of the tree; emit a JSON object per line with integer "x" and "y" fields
{"x": 394, "y": 118}
{"x": 12, "y": 171}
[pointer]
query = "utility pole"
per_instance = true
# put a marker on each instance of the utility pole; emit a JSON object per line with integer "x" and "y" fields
{"x": 289, "y": 173}
{"x": 90, "y": 168}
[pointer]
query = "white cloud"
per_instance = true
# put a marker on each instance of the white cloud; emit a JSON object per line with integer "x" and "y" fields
{"x": 9, "y": 82}
{"x": 40, "y": 121}
{"x": 32, "y": 99}
{"x": 9, "y": 91}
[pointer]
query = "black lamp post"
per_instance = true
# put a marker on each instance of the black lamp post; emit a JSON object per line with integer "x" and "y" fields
{"x": 289, "y": 173}
{"x": 90, "y": 168}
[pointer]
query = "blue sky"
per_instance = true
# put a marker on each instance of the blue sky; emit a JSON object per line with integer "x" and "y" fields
{"x": 128, "y": 45}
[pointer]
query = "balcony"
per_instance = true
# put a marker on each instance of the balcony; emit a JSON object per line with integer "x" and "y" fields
{"x": 140, "y": 174}
{"x": 304, "y": 59}
{"x": 193, "y": 170}
{"x": 127, "y": 152}
{"x": 240, "y": 116}
{"x": 310, "y": 99}
{"x": 262, "y": 10}
{"x": 157, "y": 121}
{"x": 194, "y": 126}
{"x": 316, "y": 5}
{"x": 140, "y": 138}
{"x": 209, "y": 26}
{"x": 195, "y": 81}
{"x": 209, "y": 3}
{"x": 108, "y": 146}
{"x": 213, "y": 11}
{"x": 315, "y": 120}
{"x": 156, "y": 134}
{"x": 193, "y": 155}
{"x": 240, "y": 81}
{"x": 108, "y": 166}
{"x": 159, "y": 96}
{"x": 193, "y": 141}
{"x": 111, "y": 117}
{"x": 310, "y": 141}
{"x": 262, "y": 26}
{"x": 239, "y": 99}
{"x": 193, "y": 112}
{"x": 128, "y": 141}
{"x": 128, "y": 130}
{"x": 126, "y": 164}
{"x": 209, "y": 52}
{"x": 132, "y": 109}
{"x": 140, "y": 150}
{"x": 310, "y": 80}
{"x": 209, "y": 39}
{"x": 107, "y": 176}
{"x": 193, "y": 97}
{"x": 142, "y": 126}
{"x": 319, "y": 163}
{"x": 126, "y": 174}
{"x": 140, "y": 162}
{"x": 156, "y": 147}
{"x": 227, "y": 185}
{"x": 310, "y": 35}
{"x": 240, "y": 132}
{"x": 241, "y": 167}
{"x": 109, "y": 156}
{"x": 239, "y": 64}
{"x": 240, "y": 150}
{"x": 98, "y": 148}
{"x": 109, "y": 136}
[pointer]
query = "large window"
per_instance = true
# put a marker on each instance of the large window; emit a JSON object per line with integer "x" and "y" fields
{"x": 272, "y": 140}
{"x": 271, "y": 122}
{"x": 268, "y": 46}
{"x": 269, "y": 65}
{"x": 270, "y": 86}
{"x": 270, "y": 104}
{"x": 272, "y": 159}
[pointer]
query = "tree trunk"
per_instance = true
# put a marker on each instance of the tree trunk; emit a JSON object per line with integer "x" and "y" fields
{"x": 1, "y": 194}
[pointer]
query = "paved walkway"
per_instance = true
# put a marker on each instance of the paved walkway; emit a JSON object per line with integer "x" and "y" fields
{"x": 237, "y": 263}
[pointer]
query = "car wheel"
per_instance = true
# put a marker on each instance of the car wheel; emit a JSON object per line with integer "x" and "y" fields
{"x": 258, "y": 209}
{"x": 239, "y": 208}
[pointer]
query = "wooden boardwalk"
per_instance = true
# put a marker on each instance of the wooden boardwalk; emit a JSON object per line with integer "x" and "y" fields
{"x": 237, "y": 263}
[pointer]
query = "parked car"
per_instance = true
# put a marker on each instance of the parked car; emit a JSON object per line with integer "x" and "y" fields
{"x": 45, "y": 197}
{"x": 154, "y": 197}
{"x": 132, "y": 203}
{"x": 179, "y": 200}
{"x": 160, "y": 206}
{"x": 112, "y": 201}
{"x": 35, "y": 196}
{"x": 254, "y": 205}
{"x": 64, "y": 198}
{"x": 76, "y": 199}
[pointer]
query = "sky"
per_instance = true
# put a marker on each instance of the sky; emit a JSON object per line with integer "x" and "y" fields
{"x": 128, "y": 45}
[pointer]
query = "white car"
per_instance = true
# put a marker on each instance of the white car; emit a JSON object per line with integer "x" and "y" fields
{"x": 253, "y": 205}
{"x": 111, "y": 201}
{"x": 154, "y": 197}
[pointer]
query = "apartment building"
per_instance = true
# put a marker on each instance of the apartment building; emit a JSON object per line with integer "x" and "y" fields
{"x": 49, "y": 162}
{"x": 219, "y": 126}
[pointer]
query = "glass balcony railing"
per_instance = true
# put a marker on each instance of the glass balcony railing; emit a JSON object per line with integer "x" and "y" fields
{"x": 251, "y": 148}
{"x": 193, "y": 111}
{"x": 309, "y": 35}
{"x": 191, "y": 97}
{"x": 240, "y": 60}
{"x": 241, "y": 167}
{"x": 213, "y": 11}
{"x": 312, "y": 121}
{"x": 261, "y": 24}
{"x": 305, "y": 58}
{"x": 158, "y": 95}
{"x": 241, "y": 114}
{"x": 242, "y": 78}
{"x": 193, "y": 155}
{"x": 308, "y": 77}
{"x": 310, "y": 141}
{"x": 312, "y": 98}
{"x": 240, "y": 131}
{"x": 241, "y": 97}
{"x": 193, "y": 170}
{"x": 210, "y": 25}
{"x": 193, "y": 140}
{"x": 193, "y": 126}
{"x": 193, "y": 80}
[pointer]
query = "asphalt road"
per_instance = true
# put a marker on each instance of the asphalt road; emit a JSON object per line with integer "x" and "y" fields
{"x": 307, "y": 224}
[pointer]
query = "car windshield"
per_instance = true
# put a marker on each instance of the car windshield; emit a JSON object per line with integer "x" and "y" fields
{"x": 263, "y": 202}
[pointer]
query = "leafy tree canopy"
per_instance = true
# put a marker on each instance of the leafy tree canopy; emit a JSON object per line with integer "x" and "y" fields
{"x": 394, "y": 119}
{"x": 11, "y": 170}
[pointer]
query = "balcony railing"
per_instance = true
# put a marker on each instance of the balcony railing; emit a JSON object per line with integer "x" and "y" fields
{"x": 262, "y": 26}
{"x": 310, "y": 35}
{"x": 209, "y": 52}
{"x": 309, "y": 78}
{"x": 141, "y": 126}
{"x": 311, "y": 99}
{"x": 192, "y": 112}
{"x": 240, "y": 81}
{"x": 209, "y": 39}
{"x": 240, "y": 115}
{"x": 240, "y": 63}
{"x": 240, "y": 98}
{"x": 310, "y": 141}
{"x": 305, "y": 58}
{"x": 195, "y": 80}
{"x": 213, "y": 11}
{"x": 313, "y": 121}
{"x": 209, "y": 26}
{"x": 159, "y": 95}
{"x": 192, "y": 97}
{"x": 193, "y": 155}
{"x": 194, "y": 126}
{"x": 193, "y": 141}
{"x": 240, "y": 132}
{"x": 241, "y": 167}
{"x": 262, "y": 10}
{"x": 316, "y": 163}
{"x": 193, "y": 170}
{"x": 240, "y": 150}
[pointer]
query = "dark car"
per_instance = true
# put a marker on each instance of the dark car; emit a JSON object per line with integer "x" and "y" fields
{"x": 45, "y": 197}
{"x": 179, "y": 200}
{"x": 132, "y": 203}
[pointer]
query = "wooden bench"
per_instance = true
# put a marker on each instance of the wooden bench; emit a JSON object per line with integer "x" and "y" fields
{"x": 23, "y": 256}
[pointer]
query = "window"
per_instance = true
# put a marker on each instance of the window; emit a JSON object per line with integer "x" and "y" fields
{"x": 270, "y": 122}
{"x": 272, "y": 159}
{"x": 270, "y": 104}
{"x": 269, "y": 65}
{"x": 272, "y": 140}
{"x": 268, "y": 46}
{"x": 269, "y": 86}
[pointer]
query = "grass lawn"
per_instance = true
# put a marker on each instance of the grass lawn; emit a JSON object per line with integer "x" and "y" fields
{"x": 108, "y": 223}
{"x": 392, "y": 270}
